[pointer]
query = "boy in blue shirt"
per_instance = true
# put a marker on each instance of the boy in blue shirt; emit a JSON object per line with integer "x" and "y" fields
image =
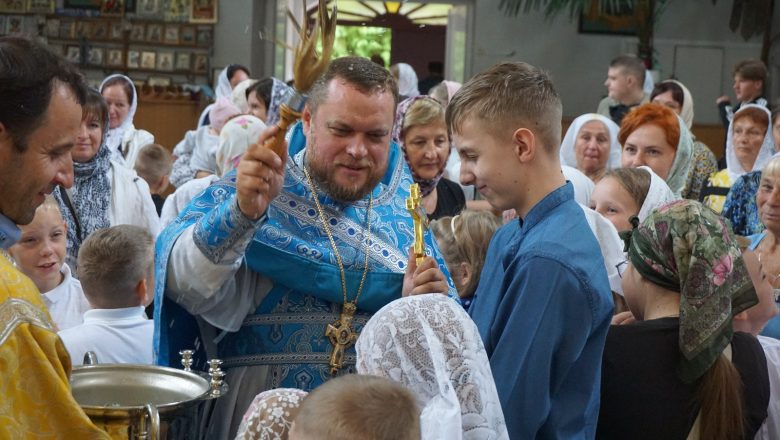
{"x": 543, "y": 305}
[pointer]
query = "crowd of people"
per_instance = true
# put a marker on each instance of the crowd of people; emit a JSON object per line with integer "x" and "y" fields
{"x": 613, "y": 280}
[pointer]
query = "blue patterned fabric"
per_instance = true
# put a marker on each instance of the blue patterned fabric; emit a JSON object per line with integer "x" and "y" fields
{"x": 290, "y": 247}
{"x": 740, "y": 207}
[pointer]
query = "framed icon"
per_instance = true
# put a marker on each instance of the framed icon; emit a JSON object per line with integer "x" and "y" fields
{"x": 16, "y": 6}
{"x": 165, "y": 61}
{"x": 99, "y": 30}
{"x": 148, "y": 8}
{"x": 53, "y": 28}
{"x": 133, "y": 59}
{"x": 201, "y": 64}
{"x": 187, "y": 34}
{"x": 203, "y": 11}
{"x": 171, "y": 34}
{"x": 154, "y": 33}
{"x": 117, "y": 30}
{"x": 112, "y": 8}
{"x": 73, "y": 54}
{"x": 183, "y": 61}
{"x": 114, "y": 58}
{"x": 40, "y": 6}
{"x": 95, "y": 56}
{"x": 138, "y": 32}
{"x": 67, "y": 29}
{"x": 148, "y": 59}
{"x": 205, "y": 35}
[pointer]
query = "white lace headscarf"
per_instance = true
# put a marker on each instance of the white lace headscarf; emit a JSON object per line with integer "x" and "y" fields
{"x": 569, "y": 156}
{"x": 429, "y": 344}
{"x": 115, "y": 135}
{"x": 658, "y": 194}
{"x": 271, "y": 415}
{"x": 407, "y": 81}
{"x": 234, "y": 139}
{"x": 764, "y": 154}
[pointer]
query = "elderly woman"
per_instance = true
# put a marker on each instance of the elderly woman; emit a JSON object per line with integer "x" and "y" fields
{"x": 429, "y": 344}
{"x": 740, "y": 205}
{"x": 124, "y": 141}
{"x": 766, "y": 243}
{"x": 680, "y": 361}
{"x": 654, "y": 135}
{"x": 677, "y": 97}
{"x": 421, "y": 132}
{"x": 749, "y": 146}
{"x": 104, "y": 192}
{"x": 591, "y": 145}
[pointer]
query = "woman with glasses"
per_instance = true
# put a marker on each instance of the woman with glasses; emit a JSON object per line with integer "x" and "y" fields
{"x": 679, "y": 370}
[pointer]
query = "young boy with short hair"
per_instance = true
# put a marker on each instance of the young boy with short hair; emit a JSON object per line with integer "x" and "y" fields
{"x": 40, "y": 254}
{"x": 543, "y": 304}
{"x": 358, "y": 407}
{"x": 116, "y": 269}
{"x": 154, "y": 164}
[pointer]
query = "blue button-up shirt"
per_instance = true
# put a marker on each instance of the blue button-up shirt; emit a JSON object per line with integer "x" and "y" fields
{"x": 543, "y": 308}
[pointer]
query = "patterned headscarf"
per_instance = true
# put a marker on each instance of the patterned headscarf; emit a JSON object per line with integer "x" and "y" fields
{"x": 426, "y": 185}
{"x": 685, "y": 247}
{"x": 90, "y": 196}
{"x": 683, "y": 160}
{"x": 279, "y": 92}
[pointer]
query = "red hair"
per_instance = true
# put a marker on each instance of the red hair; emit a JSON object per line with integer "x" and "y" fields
{"x": 655, "y": 114}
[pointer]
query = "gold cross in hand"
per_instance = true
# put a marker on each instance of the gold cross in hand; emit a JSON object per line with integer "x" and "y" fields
{"x": 341, "y": 336}
{"x": 420, "y": 218}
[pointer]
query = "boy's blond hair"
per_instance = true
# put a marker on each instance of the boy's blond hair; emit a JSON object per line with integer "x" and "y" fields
{"x": 153, "y": 163}
{"x": 359, "y": 407}
{"x": 112, "y": 261}
{"x": 506, "y": 97}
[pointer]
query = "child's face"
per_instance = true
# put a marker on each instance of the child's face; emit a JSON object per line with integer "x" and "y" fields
{"x": 41, "y": 251}
{"x": 612, "y": 201}
{"x": 490, "y": 165}
{"x": 257, "y": 107}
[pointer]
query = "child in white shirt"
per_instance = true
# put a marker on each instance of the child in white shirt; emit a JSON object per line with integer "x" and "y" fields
{"x": 40, "y": 254}
{"x": 116, "y": 269}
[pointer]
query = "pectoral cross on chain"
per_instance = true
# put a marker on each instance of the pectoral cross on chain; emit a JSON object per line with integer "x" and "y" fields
{"x": 420, "y": 218}
{"x": 341, "y": 336}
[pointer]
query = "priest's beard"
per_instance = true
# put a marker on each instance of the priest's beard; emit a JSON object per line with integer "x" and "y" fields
{"x": 322, "y": 172}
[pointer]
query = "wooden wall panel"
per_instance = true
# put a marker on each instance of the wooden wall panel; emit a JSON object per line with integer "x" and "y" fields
{"x": 167, "y": 119}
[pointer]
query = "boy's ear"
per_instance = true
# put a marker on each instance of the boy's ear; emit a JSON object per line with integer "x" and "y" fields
{"x": 524, "y": 144}
{"x": 142, "y": 292}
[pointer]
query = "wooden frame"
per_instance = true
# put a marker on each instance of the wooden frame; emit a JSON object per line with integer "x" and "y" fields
{"x": 204, "y": 11}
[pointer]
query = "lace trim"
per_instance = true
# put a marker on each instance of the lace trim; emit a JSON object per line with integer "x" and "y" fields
{"x": 15, "y": 312}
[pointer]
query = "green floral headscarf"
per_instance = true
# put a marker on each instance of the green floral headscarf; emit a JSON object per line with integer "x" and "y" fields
{"x": 686, "y": 247}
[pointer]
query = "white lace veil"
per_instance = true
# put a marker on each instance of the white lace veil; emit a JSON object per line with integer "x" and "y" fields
{"x": 429, "y": 344}
{"x": 271, "y": 414}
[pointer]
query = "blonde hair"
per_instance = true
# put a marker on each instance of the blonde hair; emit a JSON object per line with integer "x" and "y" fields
{"x": 772, "y": 168}
{"x": 153, "y": 163}
{"x": 360, "y": 407}
{"x": 422, "y": 112}
{"x": 465, "y": 239}
{"x": 111, "y": 262}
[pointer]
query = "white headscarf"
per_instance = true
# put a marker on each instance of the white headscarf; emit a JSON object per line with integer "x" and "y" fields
{"x": 649, "y": 83}
{"x": 429, "y": 344}
{"x": 611, "y": 246}
{"x": 407, "y": 81}
{"x": 271, "y": 414}
{"x": 115, "y": 135}
{"x": 583, "y": 186}
{"x": 569, "y": 156}
{"x": 238, "y": 95}
{"x": 222, "y": 88}
{"x": 234, "y": 139}
{"x": 683, "y": 160}
{"x": 764, "y": 154}
{"x": 686, "y": 113}
{"x": 658, "y": 194}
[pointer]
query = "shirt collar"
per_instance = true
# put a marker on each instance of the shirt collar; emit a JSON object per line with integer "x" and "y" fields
{"x": 547, "y": 204}
{"x": 99, "y": 315}
{"x": 9, "y": 232}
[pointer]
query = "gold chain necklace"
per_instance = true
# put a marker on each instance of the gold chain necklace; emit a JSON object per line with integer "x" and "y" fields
{"x": 340, "y": 333}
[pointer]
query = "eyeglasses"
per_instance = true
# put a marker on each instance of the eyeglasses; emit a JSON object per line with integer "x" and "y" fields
{"x": 621, "y": 267}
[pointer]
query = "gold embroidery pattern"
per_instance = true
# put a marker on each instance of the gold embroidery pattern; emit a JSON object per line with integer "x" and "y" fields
{"x": 16, "y": 311}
